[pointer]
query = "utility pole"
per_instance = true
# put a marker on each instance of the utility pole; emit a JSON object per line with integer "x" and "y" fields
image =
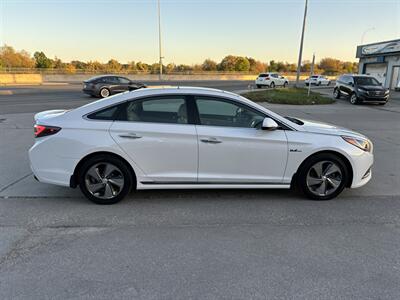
{"x": 301, "y": 46}
{"x": 311, "y": 74}
{"x": 159, "y": 38}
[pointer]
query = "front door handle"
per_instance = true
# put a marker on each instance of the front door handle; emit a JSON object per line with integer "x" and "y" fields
{"x": 130, "y": 135}
{"x": 211, "y": 140}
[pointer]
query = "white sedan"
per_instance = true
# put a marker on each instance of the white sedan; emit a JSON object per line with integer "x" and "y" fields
{"x": 318, "y": 80}
{"x": 193, "y": 138}
{"x": 271, "y": 80}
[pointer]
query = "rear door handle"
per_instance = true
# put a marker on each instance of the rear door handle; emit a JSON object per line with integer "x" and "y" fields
{"x": 130, "y": 135}
{"x": 211, "y": 140}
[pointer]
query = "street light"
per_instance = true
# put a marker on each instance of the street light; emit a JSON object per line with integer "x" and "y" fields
{"x": 159, "y": 38}
{"x": 301, "y": 45}
{"x": 365, "y": 31}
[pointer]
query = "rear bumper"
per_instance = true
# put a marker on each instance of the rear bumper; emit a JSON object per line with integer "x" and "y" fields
{"x": 49, "y": 167}
{"x": 89, "y": 92}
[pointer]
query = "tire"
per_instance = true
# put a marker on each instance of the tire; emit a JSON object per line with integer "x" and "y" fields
{"x": 354, "y": 99}
{"x": 336, "y": 93}
{"x": 329, "y": 183}
{"x": 307, "y": 84}
{"x": 285, "y": 84}
{"x": 329, "y": 83}
{"x": 104, "y": 93}
{"x": 272, "y": 85}
{"x": 259, "y": 86}
{"x": 100, "y": 187}
{"x": 319, "y": 83}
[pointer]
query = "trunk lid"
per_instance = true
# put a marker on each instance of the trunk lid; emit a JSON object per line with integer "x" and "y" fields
{"x": 48, "y": 114}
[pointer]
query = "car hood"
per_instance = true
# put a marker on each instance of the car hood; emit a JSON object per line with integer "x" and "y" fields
{"x": 372, "y": 88}
{"x": 326, "y": 128}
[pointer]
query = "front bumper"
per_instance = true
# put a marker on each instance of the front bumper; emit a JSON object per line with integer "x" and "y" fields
{"x": 370, "y": 98}
{"x": 362, "y": 168}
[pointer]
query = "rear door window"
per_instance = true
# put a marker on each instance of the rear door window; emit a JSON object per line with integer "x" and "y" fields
{"x": 168, "y": 109}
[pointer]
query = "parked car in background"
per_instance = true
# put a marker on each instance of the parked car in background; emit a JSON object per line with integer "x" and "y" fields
{"x": 317, "y": 80}
{"x": 271, "y": 80}
{"x": 193, "y": 138}
{"x": 361, "y": 88}
{"x": 107, "y": 85}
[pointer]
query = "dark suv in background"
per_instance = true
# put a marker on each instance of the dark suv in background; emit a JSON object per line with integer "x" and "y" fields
{"x": 361, "y": 88}
{"x": 106, "y": 85}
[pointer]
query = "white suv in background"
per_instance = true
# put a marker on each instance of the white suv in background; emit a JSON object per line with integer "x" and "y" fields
{"x": 271, "y": 80}
{"x": 318, "y": 80}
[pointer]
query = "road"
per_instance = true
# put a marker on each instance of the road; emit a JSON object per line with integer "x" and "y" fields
{"x": 232, "y": 244}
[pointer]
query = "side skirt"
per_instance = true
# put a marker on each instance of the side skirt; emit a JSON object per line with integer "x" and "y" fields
{"x": 164, "y": 186}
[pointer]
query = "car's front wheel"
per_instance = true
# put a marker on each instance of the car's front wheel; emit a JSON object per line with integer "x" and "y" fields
{"x": 259, "y": 86}
{"x": 353, "y": 99}
{"x": 272, "y": 85}
{"x": 285, "y": 84}
{"x": 105, "y": 179}
{"x": 323, "y": 176}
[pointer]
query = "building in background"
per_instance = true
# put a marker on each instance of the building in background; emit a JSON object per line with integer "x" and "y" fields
{"x": 381, "y": 60}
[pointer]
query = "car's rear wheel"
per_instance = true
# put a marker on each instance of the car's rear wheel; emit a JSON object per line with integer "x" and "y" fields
{"x": 353, "y": 99}
{"x": 323, "y": 176}
{"x": 285, "y": 84}
{"x": 272, "y": 85}
{"x": 336, "y": 93}
{"x": 104, "y": 93}
{"x": 105, "y": 179}
{"x": 259, "y": 86}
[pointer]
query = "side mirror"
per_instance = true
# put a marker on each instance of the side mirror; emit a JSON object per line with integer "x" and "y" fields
{"x": 269, "y": 124}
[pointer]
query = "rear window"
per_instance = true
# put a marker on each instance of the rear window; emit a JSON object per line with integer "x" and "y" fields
{"x": 315, "y": 76}
{"x": 263, "y": 75}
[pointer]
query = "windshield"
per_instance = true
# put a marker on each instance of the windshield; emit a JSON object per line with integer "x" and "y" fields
{"x": 366, "y": 81}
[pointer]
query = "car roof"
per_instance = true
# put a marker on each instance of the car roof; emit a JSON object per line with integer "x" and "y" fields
{"x": 169, "y": 90}
{"x": 102, "y": 76}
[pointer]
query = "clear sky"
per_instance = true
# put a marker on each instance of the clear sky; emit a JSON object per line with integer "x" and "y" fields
{"x": 193, "y": 30}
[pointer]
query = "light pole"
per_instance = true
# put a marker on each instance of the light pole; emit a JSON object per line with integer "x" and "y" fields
{"x": 365, "y": 31}
{"x": 301, "y": 45}
{"x": 159, "y": 38}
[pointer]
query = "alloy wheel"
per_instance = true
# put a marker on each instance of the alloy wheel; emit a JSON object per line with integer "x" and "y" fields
{"x": 104, "y": 93}
{"x": 324, "y": 178}
{"x": 353, "y": 99}
{"x": 104, "y": 180}
{"x": 335, "y": 93}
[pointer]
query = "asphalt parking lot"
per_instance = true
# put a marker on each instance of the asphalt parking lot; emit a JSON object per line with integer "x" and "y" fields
{"x": 213, "y": 244}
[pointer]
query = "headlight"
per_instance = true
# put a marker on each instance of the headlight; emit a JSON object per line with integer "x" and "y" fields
{"x": 363, "y": 144}
{"x": 362, "y": 90}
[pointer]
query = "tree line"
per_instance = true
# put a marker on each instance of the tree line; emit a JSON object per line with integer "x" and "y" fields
{"x": 13, "y": 59}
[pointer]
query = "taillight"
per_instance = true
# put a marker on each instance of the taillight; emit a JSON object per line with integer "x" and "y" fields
{"x": 43, "y": 130}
